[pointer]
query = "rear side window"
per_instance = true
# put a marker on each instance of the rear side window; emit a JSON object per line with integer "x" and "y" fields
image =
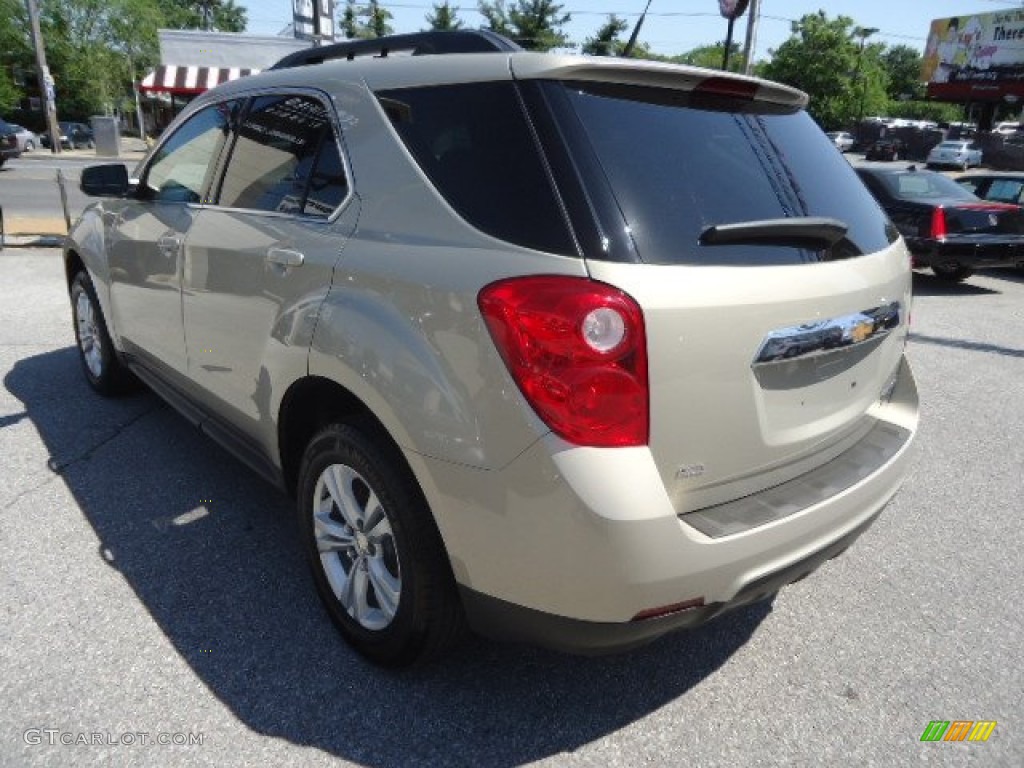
{"x": 285, "y": 159}
{"x": 474, "y": 143}
{"x": 678, "y": 164}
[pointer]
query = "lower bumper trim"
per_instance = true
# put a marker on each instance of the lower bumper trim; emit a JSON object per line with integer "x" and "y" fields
{"x": 501, "y": 620}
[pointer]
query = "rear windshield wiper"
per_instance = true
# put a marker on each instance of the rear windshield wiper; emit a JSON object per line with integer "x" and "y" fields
{"x": 806, "y": 232}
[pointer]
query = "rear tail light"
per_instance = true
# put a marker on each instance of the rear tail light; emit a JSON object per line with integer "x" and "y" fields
{"x": 577, "y": 351}
{"x": 938, "y": 229}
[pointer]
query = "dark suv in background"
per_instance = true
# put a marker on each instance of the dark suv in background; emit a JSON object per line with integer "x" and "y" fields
{"x": 8, "y": 143}
{"x": 72, "y": 136}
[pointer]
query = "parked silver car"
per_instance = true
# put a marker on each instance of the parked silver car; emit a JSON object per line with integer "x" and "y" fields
{"x": 27, "y": 140}
{"x": 577, "y": 350}
{"x": 956, "y": 154}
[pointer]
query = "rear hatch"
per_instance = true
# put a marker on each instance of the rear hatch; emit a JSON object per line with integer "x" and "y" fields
{"x": 775, "y": 292}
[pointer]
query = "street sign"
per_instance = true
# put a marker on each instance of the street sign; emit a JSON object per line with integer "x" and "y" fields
{"x": 732, "y": 9}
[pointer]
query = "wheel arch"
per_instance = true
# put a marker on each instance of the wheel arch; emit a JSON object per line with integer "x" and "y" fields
{"x": 72, "y": 265}
{"x": 310, "y": 404}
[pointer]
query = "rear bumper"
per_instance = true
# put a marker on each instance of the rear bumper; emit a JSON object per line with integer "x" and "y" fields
{"x": 508, "y": 622}
{"x": 978, "y": 254}
{"x": 566, "y": 546}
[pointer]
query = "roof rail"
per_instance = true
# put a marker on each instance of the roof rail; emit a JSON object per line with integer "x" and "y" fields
{"x": 419, "y": 43}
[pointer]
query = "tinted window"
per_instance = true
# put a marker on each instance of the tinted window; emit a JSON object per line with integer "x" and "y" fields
{"x": 285, "y": 159}
{"x": 680, "y": 163}
{"x": 922, "y": 185}
{"x": 1005, "y": 190}
{"x": 180, "y": 171}
{"x": 475, "y": 145}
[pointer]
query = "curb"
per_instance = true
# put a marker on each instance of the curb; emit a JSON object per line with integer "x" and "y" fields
{"x": 31, "y": 241}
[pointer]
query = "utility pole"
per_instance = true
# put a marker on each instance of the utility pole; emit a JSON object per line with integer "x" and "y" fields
{"x": 46, "y": 90}
{"x": 863, "y": 33}
{"x": 750, "y": 44}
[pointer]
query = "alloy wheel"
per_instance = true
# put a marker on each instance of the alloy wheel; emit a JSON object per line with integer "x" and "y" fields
{"x": 356, "y": 547}
{"x": 90, "y": 341}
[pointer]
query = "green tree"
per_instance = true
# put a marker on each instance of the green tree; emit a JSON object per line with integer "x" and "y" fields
{"x": 15, "y": 54}
{"x": 903, "y": 65}
{"x": 365, "y": 21}
{"x": 710, "y": 56}
{"x": 534, "y": 24}
{"x": 606, "y": 41}
{"x": 936, "y": 111}
{"x": 348, "y": 22}
{"x": 832, "y": 62}
{"x": 444, "y": 17}
{"x": 377, "y": 18}
{"x": 222, "y": 15}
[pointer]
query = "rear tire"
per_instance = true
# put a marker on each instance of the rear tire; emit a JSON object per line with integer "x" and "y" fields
{"x": 952, "y": 273}
{"x": 103, "y": 370}
{"x": 377, "y": 558}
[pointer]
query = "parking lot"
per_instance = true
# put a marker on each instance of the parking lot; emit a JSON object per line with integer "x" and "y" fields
{"x": 153, "y": 588}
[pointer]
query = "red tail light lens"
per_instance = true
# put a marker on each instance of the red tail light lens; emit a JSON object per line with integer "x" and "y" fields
{"x": 938, "y": 230}
{"x": 727, "y": 87}
{"x": 577, "y": 351}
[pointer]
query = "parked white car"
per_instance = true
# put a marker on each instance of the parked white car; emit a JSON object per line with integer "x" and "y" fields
{"x": 958, "y": 154}
{"x": 842, "y": 140}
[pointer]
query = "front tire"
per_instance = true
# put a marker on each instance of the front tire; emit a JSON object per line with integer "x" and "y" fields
{"x": 377, "y": 557}
{"x": 103, "y": 370}
{"x": 952, "y": 273}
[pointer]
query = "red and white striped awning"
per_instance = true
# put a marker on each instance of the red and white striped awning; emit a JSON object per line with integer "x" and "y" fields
{"x": 171, "y": 78}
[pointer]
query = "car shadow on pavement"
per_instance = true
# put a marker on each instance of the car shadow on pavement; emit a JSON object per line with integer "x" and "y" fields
{"x": 926, "y": 284}
{"x": 213, "y": 555}
{"x": 1012, "y": 275}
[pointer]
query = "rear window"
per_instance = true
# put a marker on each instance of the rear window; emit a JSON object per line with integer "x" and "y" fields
{"x": 678, "y": 164}
{"x": 921, "y": 185}
{"x": 474, "y": 143}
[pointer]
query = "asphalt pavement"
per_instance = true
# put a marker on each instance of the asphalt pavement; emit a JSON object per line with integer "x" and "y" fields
{"x": 152, "y": 588}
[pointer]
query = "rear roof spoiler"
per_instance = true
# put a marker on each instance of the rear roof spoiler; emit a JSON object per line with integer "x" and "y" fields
{"x": 417, "y": 43}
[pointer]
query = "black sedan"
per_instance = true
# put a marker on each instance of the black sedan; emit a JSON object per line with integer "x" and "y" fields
{"x": 947, "y": 227}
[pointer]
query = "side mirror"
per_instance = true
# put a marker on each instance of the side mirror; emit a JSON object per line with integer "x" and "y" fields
{"x": 109, "y": 180}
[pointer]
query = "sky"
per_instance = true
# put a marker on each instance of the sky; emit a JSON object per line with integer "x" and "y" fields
{"x": 676, "y": 26}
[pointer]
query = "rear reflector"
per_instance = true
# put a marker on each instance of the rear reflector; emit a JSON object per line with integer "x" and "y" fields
{"x": 665, "y": 610}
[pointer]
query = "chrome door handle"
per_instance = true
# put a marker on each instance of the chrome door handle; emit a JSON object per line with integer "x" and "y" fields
{"x": 285, "y": 257}
{"x": 169, "y": 245}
